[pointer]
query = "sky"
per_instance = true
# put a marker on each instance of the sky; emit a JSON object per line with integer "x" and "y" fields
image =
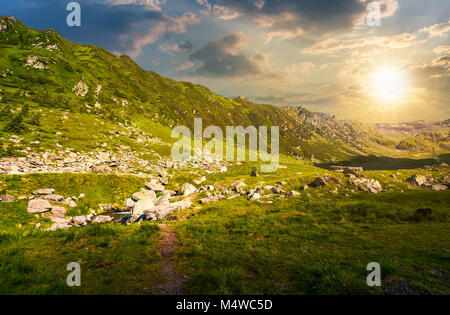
{"x": 374, "y": 61}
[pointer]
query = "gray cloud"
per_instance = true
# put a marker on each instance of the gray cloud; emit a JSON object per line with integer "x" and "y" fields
{"x": 222, "y": 59}
{"x": 289, "y": 18}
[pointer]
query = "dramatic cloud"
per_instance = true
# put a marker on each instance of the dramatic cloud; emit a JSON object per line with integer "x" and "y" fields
{"x": 328, "y": 46}
{"x": 437, "y": 29}
{"x": 178, "y": 46}
{"x": 222, "y": 59}
{"x": 437, "y": 68}
{"x": 166, "y": 25}
{"x": 288, "y": 19}
{"x": 122, "y": 26}
{"x": 153, "y": 5}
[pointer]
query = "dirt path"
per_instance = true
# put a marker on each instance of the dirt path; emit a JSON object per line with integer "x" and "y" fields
{"x": 171, "y": 281}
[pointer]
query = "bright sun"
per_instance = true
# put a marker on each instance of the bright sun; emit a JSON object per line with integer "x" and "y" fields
{"x": 388, "y": 84}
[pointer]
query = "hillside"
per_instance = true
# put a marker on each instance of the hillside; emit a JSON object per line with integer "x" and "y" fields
{"x": 68, "y": 88}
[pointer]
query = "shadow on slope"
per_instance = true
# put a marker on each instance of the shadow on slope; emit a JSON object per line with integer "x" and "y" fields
{"x": 373, "y": 162}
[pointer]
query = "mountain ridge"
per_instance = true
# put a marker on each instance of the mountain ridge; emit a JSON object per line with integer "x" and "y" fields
{"x": 59, "y": 78}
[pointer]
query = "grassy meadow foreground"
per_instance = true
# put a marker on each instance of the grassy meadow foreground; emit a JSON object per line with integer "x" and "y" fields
{"x": 316, "y": 243}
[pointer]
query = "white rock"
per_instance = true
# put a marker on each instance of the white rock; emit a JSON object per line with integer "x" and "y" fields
{"x": 188, "y": 189}
{"x": 38, "y": 206}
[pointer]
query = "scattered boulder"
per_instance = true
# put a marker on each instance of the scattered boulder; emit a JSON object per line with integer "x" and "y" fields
{"x": 79, "y": 220}
{"x": 319, "y": 181}
{"x": 52, "y": 198}
{"x": 48, "y": 191}
{"x": 368, "y": 185}
{"x": 254, "y": 196}
{"x": 438, "y": 187}
{"x": 199, "y": 181}
{"x": 276, "y": 190}
{"x": 211, "y": 199}
{"x": 7, "y": 198}
{"x": 38, "y": 206}
{"x": 304, "y": 187}
{"x": 58, "y": 212}
{"x": 144, "y": 194}
{"x": 187, "y": 189}
{"x": 59, "y": 226}
{"x": 293, "y": 194}
{"x": 129, "y": 204}
{"x": 418, "y": 179}
{"x": 102, "y": 219}
{"x": 223, "y": 169}
{"x": 155, "y": 186}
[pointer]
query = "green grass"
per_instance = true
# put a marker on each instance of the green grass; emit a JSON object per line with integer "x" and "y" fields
{"x": 318, "y": 246}
{"x": 317, "y": 243}
{"x": 113, "y": 260}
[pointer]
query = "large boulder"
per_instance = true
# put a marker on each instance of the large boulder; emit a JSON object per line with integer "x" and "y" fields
{"x": 163, "y": 211}
{"x": 155, "y": 186}
{"x": 38, "y": 206}
{"x": 163, "y": 200}
{"x": 144, "y": 194}
{"x": 58, "y": 212}
{"x": 141, "y": 206}
{"x": 368, "y": 185}
{"x": 418, "y": 180}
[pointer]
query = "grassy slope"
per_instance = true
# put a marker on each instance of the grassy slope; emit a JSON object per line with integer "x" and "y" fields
{"x": 152, "y": 102}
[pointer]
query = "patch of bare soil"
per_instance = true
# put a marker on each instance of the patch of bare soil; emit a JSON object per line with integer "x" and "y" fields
{"x": 171, "y": 282}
